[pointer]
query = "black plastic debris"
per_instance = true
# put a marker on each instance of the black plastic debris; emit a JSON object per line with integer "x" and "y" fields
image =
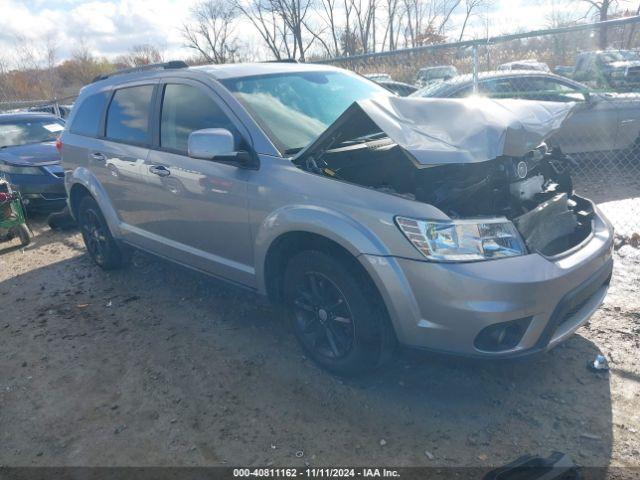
{"x": 61, "y": 220}
{"x": 528, "y": 467}
{"x": 600, "y": 364}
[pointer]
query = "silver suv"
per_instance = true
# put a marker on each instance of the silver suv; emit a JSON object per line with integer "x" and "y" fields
{"x": 375, "y": 220}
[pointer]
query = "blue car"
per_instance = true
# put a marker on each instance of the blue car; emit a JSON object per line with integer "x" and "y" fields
{"x": 30, "y": 160}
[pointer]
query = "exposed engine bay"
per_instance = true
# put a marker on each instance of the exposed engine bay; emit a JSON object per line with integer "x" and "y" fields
{"x": 534, "y": 191}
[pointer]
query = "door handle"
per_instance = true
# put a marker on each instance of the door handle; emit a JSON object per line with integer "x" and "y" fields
{"x": 98, "y": 157}
{"x": 160, "y": 170}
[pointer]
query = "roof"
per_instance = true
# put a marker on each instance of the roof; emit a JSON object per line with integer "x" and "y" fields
{"x": 462, "y": 80}
{"x": 18, "y": 116}
{"x": 395, "y": 82}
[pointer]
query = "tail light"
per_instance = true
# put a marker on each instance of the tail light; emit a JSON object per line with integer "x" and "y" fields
{"x": 59, "y": 145}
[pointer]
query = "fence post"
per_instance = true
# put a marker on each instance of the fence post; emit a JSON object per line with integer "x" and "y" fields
{"x": 56, "y": 108}
{"x": 475, "y": 68}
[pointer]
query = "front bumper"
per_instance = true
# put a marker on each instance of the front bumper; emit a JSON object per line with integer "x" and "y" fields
{"x": 445, "y": 306}
{"x": 42, "y": 192}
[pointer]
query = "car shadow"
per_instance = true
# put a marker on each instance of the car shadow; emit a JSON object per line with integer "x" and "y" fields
{"x": 205, "y": 340}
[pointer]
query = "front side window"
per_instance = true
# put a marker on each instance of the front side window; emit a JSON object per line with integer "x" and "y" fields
{"x": 128, "y": 115}
{"x": 186, "y": 109}
{"x": 500, "y": 88}
{"x": 294, "y": 108}
{"x": 87, "y": 119}
{"x": 28, "y": 131}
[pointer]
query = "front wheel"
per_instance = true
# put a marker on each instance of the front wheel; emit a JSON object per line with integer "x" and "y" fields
{"x": 97, "y": 238}
{"x": 336, "y": 316}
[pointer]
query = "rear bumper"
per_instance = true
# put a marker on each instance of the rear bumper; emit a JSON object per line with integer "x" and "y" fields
{"x": 445, "y": 307}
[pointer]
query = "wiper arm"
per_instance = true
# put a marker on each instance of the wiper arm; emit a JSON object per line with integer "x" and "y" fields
{"x": 365, "y": 138}
{"x": 292, "y": 151}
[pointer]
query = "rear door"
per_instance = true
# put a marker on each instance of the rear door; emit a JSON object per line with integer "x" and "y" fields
{"x": 593, "y": 125}
{"x": 118, "y": 158}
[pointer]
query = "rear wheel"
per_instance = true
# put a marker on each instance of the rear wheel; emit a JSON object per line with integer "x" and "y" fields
{"x": 97, "y": 238}
{"x": 336, "y": 316}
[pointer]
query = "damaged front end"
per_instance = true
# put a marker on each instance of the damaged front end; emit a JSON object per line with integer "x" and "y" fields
{"x": 482, "y": 162}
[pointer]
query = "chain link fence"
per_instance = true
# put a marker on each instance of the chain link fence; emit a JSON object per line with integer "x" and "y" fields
{"x": 60, "y": 107}
{"x": 603, "y": 134}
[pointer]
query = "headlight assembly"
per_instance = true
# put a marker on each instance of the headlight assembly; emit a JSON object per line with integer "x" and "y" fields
{"x": 463, "y": 240}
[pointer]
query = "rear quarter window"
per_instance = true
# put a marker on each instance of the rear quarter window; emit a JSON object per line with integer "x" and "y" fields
{"x": 87, "y": 119}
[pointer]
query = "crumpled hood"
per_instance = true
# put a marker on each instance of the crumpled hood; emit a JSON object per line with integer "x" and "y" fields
{"x": 437, "y": 131}
{"x": 36, "y": 154}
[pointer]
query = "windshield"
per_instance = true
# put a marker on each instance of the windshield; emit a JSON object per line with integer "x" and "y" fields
{"x": 294, "y": 108}
{"x": 620, "y": 56}
{"x": 23, "y": 132}
{"x": 438, "y": 72}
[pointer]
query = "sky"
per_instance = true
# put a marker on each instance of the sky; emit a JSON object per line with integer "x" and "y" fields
{"x": 110, "y": 27}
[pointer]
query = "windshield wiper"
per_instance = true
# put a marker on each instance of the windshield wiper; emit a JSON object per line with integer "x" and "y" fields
{"x": 292, "y": 151}
{"x": 365, "y": 138}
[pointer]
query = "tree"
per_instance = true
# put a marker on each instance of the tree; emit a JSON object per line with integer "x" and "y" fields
{"x": 601, "y": 8}
{"x": 470, "y": 8}
{"x": 212, "y": 33}
{"x": 328, "y": 14}
{"x": 143, "y": 54}
{"x": 267, "y": 24}
{"x": 293, "y": 15}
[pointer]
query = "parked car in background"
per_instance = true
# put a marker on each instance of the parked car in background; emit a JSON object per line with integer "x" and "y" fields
{"x": 601, "y": 122}
{"x": 564, "y": 71}
{"x": 429, "y": 75}
{"x": 399, "y": 88}
{"x": 29, "y": 158}
{"x": 524, "y": 65}
{"x": 64, "y": 110}
{"x": 373, "y": 219}
{"x": 378, "y": 77}
{"x": 617, "y": 70}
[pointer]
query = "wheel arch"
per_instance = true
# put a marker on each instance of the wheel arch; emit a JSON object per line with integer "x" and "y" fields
{"x": 289, "y": 244}
{"x": 83, "y": 182}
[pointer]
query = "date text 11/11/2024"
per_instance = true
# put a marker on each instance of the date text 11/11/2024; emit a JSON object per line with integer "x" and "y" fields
{"x": 316, "y": 472}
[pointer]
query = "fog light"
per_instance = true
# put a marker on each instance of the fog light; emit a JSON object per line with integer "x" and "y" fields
{"x": 502, "y": 336}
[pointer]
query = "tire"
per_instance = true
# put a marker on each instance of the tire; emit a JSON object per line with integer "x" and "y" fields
{"x": 24, "y": 234}
{"x": 336, "y": 316}
{"x": 98, "y": 240}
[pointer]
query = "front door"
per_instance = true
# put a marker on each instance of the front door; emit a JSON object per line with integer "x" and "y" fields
{"x": 200, "y": 206}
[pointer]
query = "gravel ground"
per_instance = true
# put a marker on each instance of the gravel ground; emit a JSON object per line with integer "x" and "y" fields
{"x": 158, "y": 365}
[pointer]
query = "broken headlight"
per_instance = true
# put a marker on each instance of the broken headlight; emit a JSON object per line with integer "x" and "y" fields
{"x": 463, "y": 240}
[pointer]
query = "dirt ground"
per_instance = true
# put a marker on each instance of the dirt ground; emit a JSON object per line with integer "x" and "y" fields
{"x": 158, "y": 365}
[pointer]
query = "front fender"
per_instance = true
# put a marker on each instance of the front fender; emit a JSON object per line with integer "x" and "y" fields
{"x": 338, "y": 227}
{"x": 84, "y": 177}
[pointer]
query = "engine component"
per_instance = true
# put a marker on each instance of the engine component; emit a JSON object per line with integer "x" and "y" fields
{"x": 527, "y": 189}
{"x": 548, "y": 223}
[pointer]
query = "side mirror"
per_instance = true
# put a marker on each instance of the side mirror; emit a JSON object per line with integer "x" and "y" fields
{"x": 218, "y": 144}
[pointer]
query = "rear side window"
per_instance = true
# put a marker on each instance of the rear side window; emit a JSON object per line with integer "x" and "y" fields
{"x": 87, "y": 119}
{"x": 128, "y": 115}
{"x": 186, "y": 109}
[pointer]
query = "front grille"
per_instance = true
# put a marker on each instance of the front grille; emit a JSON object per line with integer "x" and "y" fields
{"x": 633, "y": 73}
{"x": 570, "y": 313}
{"x": 52, "y": 196}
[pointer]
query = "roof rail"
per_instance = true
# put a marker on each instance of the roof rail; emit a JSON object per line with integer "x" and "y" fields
{"x": 284, "y": 60}
{"x": 174, "y": 64}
